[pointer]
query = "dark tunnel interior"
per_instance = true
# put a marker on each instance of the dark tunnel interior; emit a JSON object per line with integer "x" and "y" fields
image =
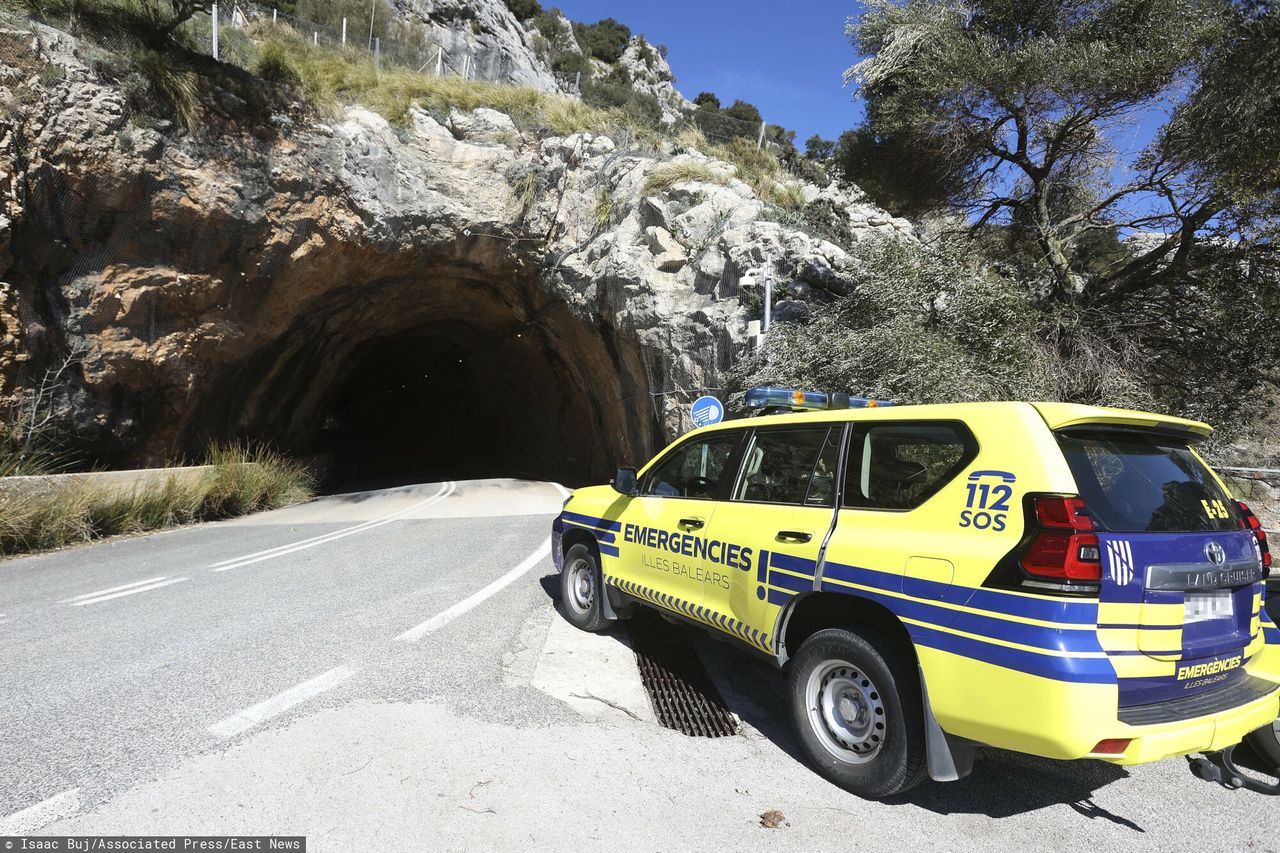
{"x": 465, "y": 400}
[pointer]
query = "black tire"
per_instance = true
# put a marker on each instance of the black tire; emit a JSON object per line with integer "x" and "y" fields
{"x": 1266, "y": 742}
{"x": 581, "y": 590}
{"x": 863, "y": 729}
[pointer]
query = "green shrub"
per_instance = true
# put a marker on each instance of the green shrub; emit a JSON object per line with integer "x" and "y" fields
{"x": 606, "y": 40}
{"x": 524, "y": 9}
{"x": 568, "y": 62}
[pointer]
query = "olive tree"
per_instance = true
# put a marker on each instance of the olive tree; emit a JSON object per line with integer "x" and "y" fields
{"x": 1027, "y": 105}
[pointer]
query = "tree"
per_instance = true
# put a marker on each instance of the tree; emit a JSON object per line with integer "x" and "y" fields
{"x": 707, "y": 101}
{"x": 1023, "y": 107}
{"x": 817, "y": 148}
{"x": 900, "y": 172}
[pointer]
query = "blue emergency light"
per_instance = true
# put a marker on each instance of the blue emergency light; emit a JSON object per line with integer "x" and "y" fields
{"x": 796, "y": 400}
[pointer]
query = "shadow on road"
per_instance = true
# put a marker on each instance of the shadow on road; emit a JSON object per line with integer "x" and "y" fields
{"x": 1003, "y": 784}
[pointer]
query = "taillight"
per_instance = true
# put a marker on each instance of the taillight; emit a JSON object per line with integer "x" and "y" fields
{"x": 1063, "y": 549}
{"x": 1250, "y": 521}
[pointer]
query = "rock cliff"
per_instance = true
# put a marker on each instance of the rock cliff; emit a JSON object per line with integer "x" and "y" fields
{"x": 563, "y": 303}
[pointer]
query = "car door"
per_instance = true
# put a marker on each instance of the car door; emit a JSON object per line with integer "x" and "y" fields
{"x": 663, "y": 548}
{"x": 775, "y": 519}
{"x": 895, "y": 530}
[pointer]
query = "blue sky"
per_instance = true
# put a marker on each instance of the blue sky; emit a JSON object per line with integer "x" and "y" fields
{"x": 786, "y": 58}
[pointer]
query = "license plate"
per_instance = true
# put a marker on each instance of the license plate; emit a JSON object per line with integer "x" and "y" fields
{"x": 1207, "y": 606}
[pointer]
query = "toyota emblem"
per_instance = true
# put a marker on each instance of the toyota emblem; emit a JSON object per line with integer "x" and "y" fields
{"x": 1215, "y": 553}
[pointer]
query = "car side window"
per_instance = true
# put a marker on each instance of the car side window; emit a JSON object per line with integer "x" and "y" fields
{"x": 900, "y": 466}
{"x": 790, "y": 466}
{"x": 693, "y": 470}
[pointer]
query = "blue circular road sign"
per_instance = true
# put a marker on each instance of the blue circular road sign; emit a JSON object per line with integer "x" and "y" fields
{"x": 707, "y": 411}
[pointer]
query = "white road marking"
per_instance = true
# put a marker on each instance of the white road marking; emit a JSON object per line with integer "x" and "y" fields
{"x": 121, "y": 591}
{"x": 102, "y": 598}
{"x": 446, "y": 489}
{"x": 438, "y": 621}
{"x": 112, "y": 589}
{"x": 244, "y": 720}
{"x": 41, "y": 814}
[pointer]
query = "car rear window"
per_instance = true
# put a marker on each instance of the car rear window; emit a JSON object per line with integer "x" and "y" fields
{"x": 1135, "y": 482}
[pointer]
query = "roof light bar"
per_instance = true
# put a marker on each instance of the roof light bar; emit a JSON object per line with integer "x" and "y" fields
{"x": 772, "y": 397}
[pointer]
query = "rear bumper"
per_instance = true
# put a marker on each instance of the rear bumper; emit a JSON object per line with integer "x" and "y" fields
{"x": 1063, "y": 720}
{"x": 1200, "y": 734}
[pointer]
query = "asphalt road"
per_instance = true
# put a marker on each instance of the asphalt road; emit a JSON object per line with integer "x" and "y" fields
{"x": 386, "y": 671}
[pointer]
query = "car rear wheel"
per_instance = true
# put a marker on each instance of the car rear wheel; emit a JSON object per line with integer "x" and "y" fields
{"x": 580, "y": 590}
{"x": 856, "y": 707}
{"x": 1266, "y": 742}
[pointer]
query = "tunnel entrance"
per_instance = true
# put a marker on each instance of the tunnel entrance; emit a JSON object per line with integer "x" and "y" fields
{"x": 448, "y": 400}
{"x": 447, "y": 371}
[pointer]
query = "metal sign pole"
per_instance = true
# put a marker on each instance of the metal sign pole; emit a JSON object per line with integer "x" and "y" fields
{"x": 213, "y": 15}
{"x": 768, "y": 294}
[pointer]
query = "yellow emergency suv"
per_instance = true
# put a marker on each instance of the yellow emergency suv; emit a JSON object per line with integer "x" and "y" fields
{"x": 1062, "y": 580}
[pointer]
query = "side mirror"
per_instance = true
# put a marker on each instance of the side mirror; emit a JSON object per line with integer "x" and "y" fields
{"x": 624, "y": 481}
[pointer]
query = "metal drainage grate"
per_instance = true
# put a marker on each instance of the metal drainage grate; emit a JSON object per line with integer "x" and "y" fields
{"x": 682, "y": 693}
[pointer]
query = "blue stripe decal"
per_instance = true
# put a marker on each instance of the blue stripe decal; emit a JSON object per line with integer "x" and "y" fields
{"x": 762, "y": 566}
{"x": 1133, "y": 653}
{"x": 799, "y": 565}
{"x": 607, "y": 550}
{"x": 1272, "y": 634}
{"x": 1119, "y": 627}
{"x": 993, "y": 601}
{"x": 601, "y": 535}
{"x": 779, "y": 597}
{"x": 790, "y": 582}
{"x": 1063, "y": 639}
{"x": 591, "y": 521}
{"x": 1081, "y": 670}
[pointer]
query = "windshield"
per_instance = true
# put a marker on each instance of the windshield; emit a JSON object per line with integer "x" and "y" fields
{"x": 1134, "y": 482}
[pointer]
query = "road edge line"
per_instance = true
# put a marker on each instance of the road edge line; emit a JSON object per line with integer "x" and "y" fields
{"x": 477, "y": 598}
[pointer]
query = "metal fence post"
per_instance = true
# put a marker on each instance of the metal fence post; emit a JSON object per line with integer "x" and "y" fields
{"x": 344, "y": 32}
{"x": 315, "y": 37}
{"x": 440, "y": 62}
{"x": 377, "y": 53}
{"x": 273, "y": 15}
{"x": 373, "y": 10}
{"x": 577, "y": 83}
{"x": 213, "y": 16}
{"x": 760, "y": 139}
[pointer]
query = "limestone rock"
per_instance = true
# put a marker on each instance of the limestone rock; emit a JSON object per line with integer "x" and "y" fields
{"x": 220, "y": 289}
{"x": 669, "y": 256}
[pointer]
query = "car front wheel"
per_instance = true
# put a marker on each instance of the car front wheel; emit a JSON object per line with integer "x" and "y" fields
{"x": 581, "y": 590}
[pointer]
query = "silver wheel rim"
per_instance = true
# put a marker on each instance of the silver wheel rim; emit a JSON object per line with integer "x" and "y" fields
{"x": 581, "y": 585}
{"x": 846, "y": 711}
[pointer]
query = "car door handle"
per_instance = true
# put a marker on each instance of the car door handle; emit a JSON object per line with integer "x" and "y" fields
{"x": 691, "y": 524}
{"x": 799, "y": 537}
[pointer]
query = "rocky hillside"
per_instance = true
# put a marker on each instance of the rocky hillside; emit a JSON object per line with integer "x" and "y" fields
{"x": 250, "y": 284}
